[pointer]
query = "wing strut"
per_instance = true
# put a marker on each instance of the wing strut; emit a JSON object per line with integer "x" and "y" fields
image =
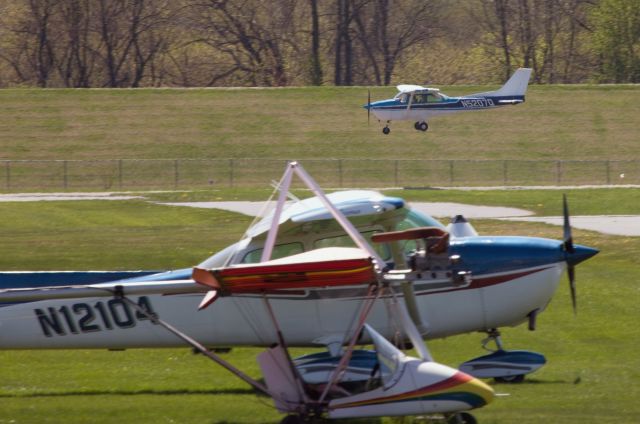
{"x": 295, "y": 167}
{"x": 119, "y": 294}
{"x": 372, "y": 296}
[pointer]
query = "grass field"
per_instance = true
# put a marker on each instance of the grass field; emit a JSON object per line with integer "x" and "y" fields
{"x": 556, "y": 122}
{"x": 593, "y": 369}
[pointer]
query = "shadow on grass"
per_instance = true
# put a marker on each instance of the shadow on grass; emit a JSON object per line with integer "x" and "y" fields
{"x": 179, "y": 392}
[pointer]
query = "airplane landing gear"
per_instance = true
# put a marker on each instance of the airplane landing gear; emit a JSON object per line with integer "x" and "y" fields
{"x": 386, "y": 130}
{"x": 493, "y": 335}
{"x": 504, "y": 366}
{"x": 462, "y": 418}
{"x": 421, "y": 126}
{"x": 512, "y": 379}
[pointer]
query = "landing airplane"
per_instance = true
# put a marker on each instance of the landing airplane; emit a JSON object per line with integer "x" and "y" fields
{"x": 453, "y": 281}
{"x": 417, "y": 103}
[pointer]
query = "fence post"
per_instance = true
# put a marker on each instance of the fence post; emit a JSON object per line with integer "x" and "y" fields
{"x": 504, "y": 173}
{"x": 395, "y": 173}
{"x": 7, "y": 165}
{"x": 451, "y": 172}
{"x": 120, "y": 174}
{"x": 65, "y": 176}
{"x": 231, "y": 165}
{"x": 176, "y": 175}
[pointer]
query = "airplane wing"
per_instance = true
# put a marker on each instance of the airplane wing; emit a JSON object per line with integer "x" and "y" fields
{"x": 409, "y": 88}
{"x": 327, "y": 267}
{"x": 101, "y": 290}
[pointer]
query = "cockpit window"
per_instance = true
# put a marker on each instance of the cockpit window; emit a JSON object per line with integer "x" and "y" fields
{"x": 279, "y": 251}
{"x": 420, "y": 98}
{"x": 345, "y": 241}
{"x": 416, "y": 219}
{"x": 434, "y": 97}
{"x": 404, "y": 98}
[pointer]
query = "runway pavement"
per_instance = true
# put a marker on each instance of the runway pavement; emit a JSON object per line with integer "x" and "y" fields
{"x": 627, "y": 225}
{"x": 623, "y": 225}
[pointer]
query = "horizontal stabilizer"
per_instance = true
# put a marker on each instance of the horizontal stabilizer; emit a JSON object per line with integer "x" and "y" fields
{"x": 510, "y": 102}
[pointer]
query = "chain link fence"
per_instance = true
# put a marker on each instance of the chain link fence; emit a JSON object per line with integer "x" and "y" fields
{"x": 164, "y": 174}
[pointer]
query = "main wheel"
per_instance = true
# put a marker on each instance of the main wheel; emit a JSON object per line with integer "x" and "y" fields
{"x": 386, "y": 130}
{"x": 292, "y": 419}
{"x": 417, "y": 125}
{"x": 423, "y": 126}
{"x": 462, "y": 418}
{"x": 511, "y": 379}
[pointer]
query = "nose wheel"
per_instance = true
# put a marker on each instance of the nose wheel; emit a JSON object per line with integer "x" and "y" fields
{"x": 462, "y": 418}
{"x": 386, "y": 130}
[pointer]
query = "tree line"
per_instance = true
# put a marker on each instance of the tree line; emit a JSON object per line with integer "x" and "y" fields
{"x": 201, "y": 43}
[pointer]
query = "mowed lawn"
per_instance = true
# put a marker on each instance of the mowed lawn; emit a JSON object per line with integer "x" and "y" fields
{"x": 591, "y": 377}
{"x": 580, "y": 122}
{"x": 594, "y": 366}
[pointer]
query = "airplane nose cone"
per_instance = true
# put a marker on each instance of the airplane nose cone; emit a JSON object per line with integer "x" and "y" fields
{"x": 580, "y": 254}
{"x": 484, "y": 393}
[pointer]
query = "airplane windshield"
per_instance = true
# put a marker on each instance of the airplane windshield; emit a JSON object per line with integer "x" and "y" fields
{"x": 403, "y": 97}
{"x": 388, "y": 355}
{"x": 416, "y": 219}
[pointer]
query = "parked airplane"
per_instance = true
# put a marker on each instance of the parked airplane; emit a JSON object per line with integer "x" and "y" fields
{"x": 453, "y": 281}
{"x": 417, "y": 103}
{"x": 394, "y": 384}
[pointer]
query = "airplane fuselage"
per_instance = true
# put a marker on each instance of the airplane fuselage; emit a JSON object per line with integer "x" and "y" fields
{"x": 398, "y": 110}
{"x": 506, "y": 279}
{"x": 496, "y": 297}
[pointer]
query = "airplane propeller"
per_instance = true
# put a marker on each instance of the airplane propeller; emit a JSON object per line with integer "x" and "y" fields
{"x": 574, "y": 254}
{"x": 368, "y": 107}
{"x": 568, "y": 248}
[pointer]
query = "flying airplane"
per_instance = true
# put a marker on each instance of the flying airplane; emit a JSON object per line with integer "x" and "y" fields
{"x": 452, "y": 280}
{"x": 417, "y": 103}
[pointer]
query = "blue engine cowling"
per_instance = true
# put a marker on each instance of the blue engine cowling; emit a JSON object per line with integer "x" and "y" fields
{"x": 504, "y": 364}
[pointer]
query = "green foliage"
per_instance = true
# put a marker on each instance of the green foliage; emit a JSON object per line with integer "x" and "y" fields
{"x": 617, "y": 39}
{"x": 67, "y": 43}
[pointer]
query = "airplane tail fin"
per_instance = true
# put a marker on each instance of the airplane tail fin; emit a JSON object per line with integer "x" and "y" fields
{"x": 515, "y": 86}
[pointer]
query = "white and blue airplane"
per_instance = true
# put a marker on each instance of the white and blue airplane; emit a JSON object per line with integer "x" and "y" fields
{"x": 452, "y": 280}
{"x": 417, "y": 103}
